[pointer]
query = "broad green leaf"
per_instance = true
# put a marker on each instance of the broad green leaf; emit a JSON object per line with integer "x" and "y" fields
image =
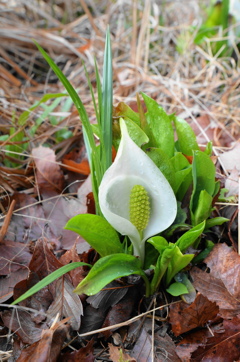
{"x": 203, "y": 209}
{"x": 161, "y": 266}
{"x": 136, "y": 133}
{"x": 183, "y": 180}
{"x": 122, "y": 110}
{"x": 158, "y": 242}
{"x": 49, "y": 279}
{"x": 106, "y": 270}
{"x": 177, "y": 263}
{"x": 190, "y": 296}
{"x": 186, "y": 137}
{"x": 177, "y": 289}
{"x": 97, "y": 232}
{"x": 163, "y": 162}
{"x": 162, "y": 134}
{"x": 188, "y": 238}
{"x": 179, "y": 162}
{"x": 203, "y": 171}
{"x": 215, "y": 221}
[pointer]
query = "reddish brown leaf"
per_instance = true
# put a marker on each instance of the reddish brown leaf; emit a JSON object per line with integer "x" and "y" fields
{"x": 223, "y": 346}
{"x": 117, "y": 354}
{"x": 49, "y": 346}
{"x": 84, "y": 354}
{"x": 49, "y": 174}
{"x": 184, "y": 317}
{"x": 72, "y": 256}
{"x": 194, "y": 340}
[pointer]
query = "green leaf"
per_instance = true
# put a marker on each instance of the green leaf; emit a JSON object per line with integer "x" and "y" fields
{"x": 124, "y": 111}
{"x": 177, "y": 263}
{"x": 188, "y": 238}
{"x": 107, "y": 103}
{"x": 186, "y": 137}
{"x": 49, "y": 279}
{"x": 161, "y": 266}
{"x": 136, "y": 133}
{"x": 190, "y": 296}
{"x": 215, "y": 221}
{"x": 97, "y": 232}
{"x": 162, "y": 134}
{"x": 201, "y": 256}
{"x": 179, "y": 162}
{"x": 183, "y": 180}
{"x": 158, "y": 242}
{"x": 177, "y": 289}
{"x": 106, "y": 270}
{"x": 164, "y": 163}
{"x": 203, "y": 209}
{"x": 203, "y": 171}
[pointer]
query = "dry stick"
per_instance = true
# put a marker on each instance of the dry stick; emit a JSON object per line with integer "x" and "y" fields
{"x": 17, "y": 68}
{"x": 90, "y": 18}
{"x": 143, "y": 28}
{"x": 129, "y": 321}
{"x": 7, "y": 220}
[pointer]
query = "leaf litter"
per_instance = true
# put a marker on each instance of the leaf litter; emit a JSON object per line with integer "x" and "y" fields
{"x": 44, "y": 190}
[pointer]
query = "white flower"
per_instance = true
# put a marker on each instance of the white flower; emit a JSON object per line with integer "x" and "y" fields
{"x": 133, "y": 167}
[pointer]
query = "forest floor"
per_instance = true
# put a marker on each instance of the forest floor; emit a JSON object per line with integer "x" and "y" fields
{"x": 45, "y": 180}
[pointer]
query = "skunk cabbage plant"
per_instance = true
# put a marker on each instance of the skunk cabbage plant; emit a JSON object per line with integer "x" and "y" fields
{"x": 134, "y": 195}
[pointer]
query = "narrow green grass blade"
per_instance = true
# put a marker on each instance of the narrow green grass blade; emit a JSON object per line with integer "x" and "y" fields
{"x": 99, "y": 90}
{"x": 92, "y": 95}
{"x": 49, "y": 279}
{"x": 107, "y": 100}
{"x": 75, "y": 97}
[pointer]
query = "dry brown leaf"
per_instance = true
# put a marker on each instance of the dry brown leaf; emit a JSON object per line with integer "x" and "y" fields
{"x": 215, "y": 290}
{"x": 14, "y": 256}
{"x": 184, "y": 317}
{"x": 49, "y": 174}
{"x": 194, "y": 340}
{"x": 7, "y": 284}
{"x": 230, "y": 159}
{"x": 84, "y": 354}
{"x": 66, "y": 303}
{"x": 49, "y": 346}
{"x": 224, "y": 263}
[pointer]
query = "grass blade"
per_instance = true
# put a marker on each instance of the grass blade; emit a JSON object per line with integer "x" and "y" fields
{"x": 49, "y": 279}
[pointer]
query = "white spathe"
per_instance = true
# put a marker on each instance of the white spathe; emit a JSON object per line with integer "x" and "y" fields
{"x": 133, "y": 167}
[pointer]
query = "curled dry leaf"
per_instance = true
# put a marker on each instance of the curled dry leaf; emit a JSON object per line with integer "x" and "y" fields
{"x": 184, "y": 317}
